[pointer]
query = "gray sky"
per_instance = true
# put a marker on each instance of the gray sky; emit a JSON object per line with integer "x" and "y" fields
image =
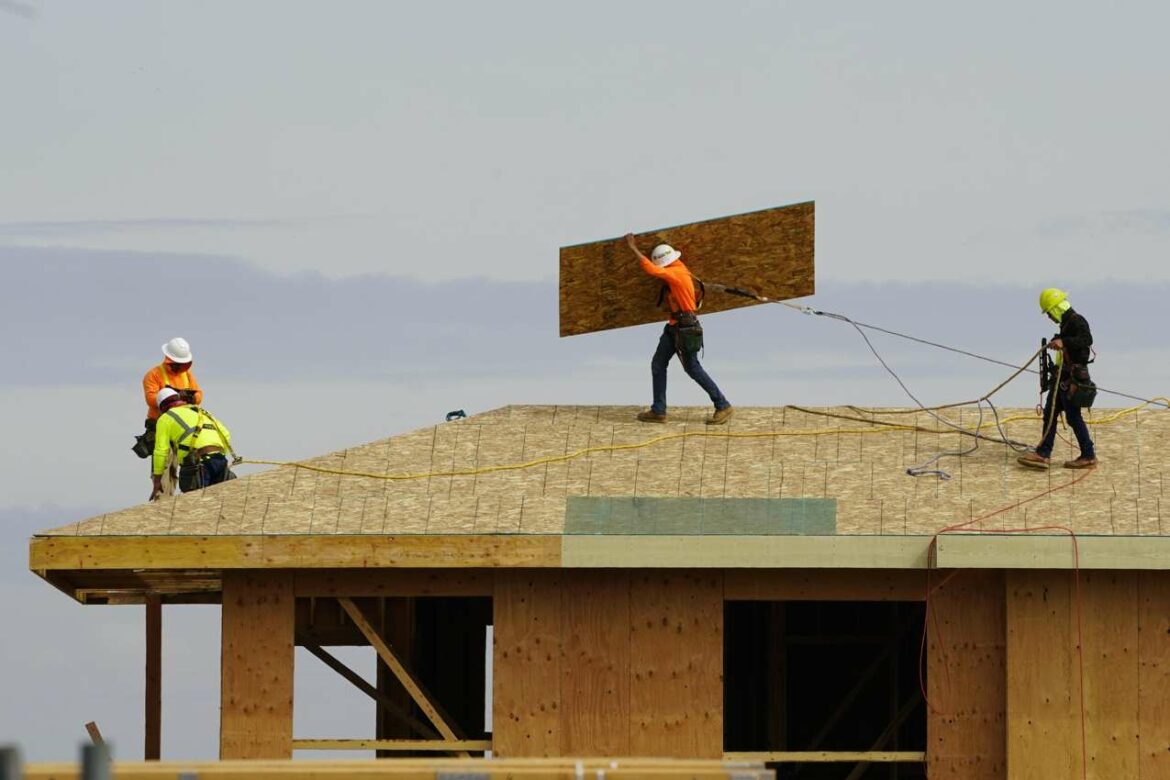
{"x": 353, "y": 211}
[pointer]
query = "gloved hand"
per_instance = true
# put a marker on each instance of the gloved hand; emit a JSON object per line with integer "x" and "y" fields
{"x": 188, "y": 396}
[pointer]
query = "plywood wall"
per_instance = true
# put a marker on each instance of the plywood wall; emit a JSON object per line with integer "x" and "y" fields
{"x": 1126, "y": 679}
{"x": 256, "y": 665}
{"x": 769, "y": 252}
{"x": 966, "y": 683}
{"x": 608, "y": 663}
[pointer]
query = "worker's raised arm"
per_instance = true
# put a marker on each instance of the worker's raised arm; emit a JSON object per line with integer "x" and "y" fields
{"x": 647, "y": 266}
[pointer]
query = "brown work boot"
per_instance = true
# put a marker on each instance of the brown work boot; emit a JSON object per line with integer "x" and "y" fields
{"x": 1081, "y": 463}
{"x": 651, "y": 416}
{"x": 721, "y": 416}
{"x": 1033, "y": 460}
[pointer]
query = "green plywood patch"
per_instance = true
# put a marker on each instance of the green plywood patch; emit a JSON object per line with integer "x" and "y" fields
{"x": 627, "y": 515}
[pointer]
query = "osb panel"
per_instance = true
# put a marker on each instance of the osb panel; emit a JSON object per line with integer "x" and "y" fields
{"x": 1043, "y": 706}
{"x": 526, "y": 668}
{"x": 256, "y": 715}
{"x": 595, "y": 664}
{"x": 966, "y": 678}
{"x": 762, "y": 453}
{"x": 676, "y": 662}
{"x": 769, "y": 252}
{"x": 1153, "y": 675}
{"x": 1110, "y": 625}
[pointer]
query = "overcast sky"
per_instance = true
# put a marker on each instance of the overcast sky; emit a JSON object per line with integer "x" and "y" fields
{"x": 352, "y": 211}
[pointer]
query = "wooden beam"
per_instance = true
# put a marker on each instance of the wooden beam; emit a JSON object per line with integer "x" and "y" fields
{"x": 829, "y": 757}
{"x": 1033, "y": 551}
{"x": 821, "y": 585}
{"x": 256, "y": 666}
{"x": 355, "y": 679}
{"x": 152, "y": 718}
{"x": 384, "y": 651}
{"x": 365, "y": 551}
{"x": 393, "y": 583}
{"x": 95, "y": 734}
{"x": 398, "y": 745}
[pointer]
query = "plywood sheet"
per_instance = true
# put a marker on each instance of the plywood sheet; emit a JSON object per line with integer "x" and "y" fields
{"x": 526, "y": 677}
{"x": 1110, "y": 626}
{"x": 256, "y": 716}
{"x": 1154, "y": 675}
{"x": 769, "y": 252}
{"x": 1043, "y": 730}
{"x": 676, "y": 662}
{"x": 966, "y": 678}
{"x": 595, "y": 663}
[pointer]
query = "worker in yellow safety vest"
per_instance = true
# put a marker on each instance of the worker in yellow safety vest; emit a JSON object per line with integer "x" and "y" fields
{"x": 199, "y": 442}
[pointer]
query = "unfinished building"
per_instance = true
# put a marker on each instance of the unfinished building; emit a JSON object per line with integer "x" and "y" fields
{"x": 778, "y": 589}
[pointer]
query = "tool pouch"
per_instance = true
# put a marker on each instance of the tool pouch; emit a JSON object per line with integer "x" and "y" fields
{"x": 1079, "y": 389}
{"x": 688, "y": 334}
{"x": 144, "y": 442}
{"x": 190, "y": 475}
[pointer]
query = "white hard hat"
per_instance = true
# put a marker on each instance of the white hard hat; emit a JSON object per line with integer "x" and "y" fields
{"x": 178, "y": 350}
{"x": 164, "y": 395}
{"x": 664, "y": 254}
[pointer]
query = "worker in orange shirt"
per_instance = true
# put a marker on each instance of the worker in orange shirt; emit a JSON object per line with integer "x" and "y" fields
{"x": 682, "y": 335}
{"x": 174, "y": 372}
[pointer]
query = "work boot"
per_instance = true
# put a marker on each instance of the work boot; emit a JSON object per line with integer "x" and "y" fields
{"x": 1033, "y": 460}
{"x": 1081, "y": 463}
{"x": 651, "y": 416}
{"x": 721, "y": 416}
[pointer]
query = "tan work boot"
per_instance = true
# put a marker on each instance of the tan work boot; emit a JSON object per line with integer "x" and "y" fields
{"x": 1033, "y": 460}
{"x": 651, "y": 416}
{"x": 1081, "y": 463}
{"x": 721, "y": 416}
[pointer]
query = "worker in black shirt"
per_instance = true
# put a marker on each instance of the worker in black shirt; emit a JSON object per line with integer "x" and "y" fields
{"x": 1072, "y": 349}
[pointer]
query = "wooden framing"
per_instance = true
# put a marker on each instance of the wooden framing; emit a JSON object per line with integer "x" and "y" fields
{"x": 830, "y": 757}
{"x": 458, "y": 746}
{"x": 420, "y": 696}
{"x": 257, "y": 665}
{"x": 152, "y": 717}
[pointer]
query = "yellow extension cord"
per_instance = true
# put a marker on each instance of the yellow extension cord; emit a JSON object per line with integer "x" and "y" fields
{"x": 886, "y": 428}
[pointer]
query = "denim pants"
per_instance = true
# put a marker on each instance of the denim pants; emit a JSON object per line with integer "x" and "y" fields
{"x": 210, "y": 471}
{"x": 691, "y": 365}
{"x": 1072, "y": 414}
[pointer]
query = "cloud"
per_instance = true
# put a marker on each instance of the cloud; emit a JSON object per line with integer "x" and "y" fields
{"x": 97, "y": 227}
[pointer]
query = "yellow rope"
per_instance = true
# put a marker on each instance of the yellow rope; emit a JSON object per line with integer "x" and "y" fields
{"x": 473, "y": 472}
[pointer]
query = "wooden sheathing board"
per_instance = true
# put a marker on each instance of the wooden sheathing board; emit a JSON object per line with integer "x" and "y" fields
{"x": 1044, "y": 676}
{"x": 966, "y": 684}
{"x": 526, "y": 670}
{"x": 595, "y": 663}
{"x": 769, "y": 252}
{"x": 676, "y": 664}
{"x": 1043, "y": 737}
{"x": 256, "y": 706}
{"x": 1153, "y": 675}
{"x": 608, "y": 663}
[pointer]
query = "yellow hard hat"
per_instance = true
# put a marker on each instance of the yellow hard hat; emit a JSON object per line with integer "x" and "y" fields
{"x": 1054, "y": 303}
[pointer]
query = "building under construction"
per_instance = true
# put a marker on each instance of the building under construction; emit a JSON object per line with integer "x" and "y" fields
{"x": 777, "y": 589}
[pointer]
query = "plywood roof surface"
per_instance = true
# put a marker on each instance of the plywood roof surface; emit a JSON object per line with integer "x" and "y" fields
{"x": 764, "y": 453}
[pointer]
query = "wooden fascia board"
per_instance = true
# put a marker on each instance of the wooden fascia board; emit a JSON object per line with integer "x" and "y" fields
{"x": 79, "y": 553}
{"x": 1035, "y": 551}
{"x": 746, "y": 552}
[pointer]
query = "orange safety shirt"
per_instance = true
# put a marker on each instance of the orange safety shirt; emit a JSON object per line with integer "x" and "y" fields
{"x": 679, "y": 282}
{"x": 159, "y": 377}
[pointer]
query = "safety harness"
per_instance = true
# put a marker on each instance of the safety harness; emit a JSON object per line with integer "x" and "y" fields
{"x": 192, "y": 432}
{"x": 688, "y": 333}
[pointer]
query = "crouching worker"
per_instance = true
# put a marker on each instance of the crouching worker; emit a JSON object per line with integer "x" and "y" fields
{"x": 1071, "y": 388}
{"x": 200, "y": 443}
{"x": 682, "y": 334}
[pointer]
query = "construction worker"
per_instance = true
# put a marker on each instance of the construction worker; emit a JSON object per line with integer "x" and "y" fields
{"x": 682, "y": 335}
{"x": 199, "y": 442}
{"x": 174, "y": 371}
{"x": 1071, "y": 348}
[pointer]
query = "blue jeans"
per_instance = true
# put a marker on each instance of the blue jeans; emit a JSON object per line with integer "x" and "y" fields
{"x": 691, "y": 365}
{"x": 210, "y": 471}
{"x": 1072, "y": 414}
